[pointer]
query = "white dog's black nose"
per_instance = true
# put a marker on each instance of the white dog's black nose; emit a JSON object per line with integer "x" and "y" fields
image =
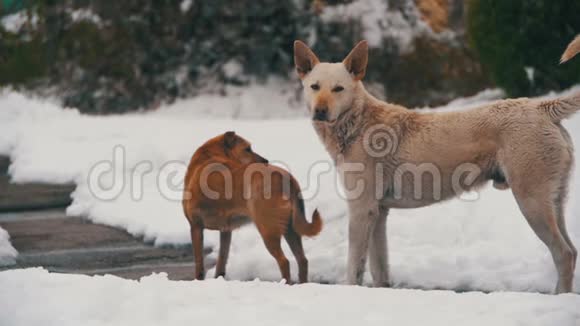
{"x": 321, "y": 114}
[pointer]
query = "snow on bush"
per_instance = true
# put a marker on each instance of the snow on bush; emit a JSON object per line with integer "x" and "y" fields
{"x": 14, "y": 22}
{"x": 478, "y": 242}
{"x": 379, "y": 21}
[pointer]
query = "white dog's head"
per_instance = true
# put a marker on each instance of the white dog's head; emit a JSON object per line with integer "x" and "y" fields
{"x": 329, "y": 88}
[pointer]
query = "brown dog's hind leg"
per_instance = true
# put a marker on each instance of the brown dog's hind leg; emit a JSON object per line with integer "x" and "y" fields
{"x": 225, "y": 241}
{"x": 197, "y": 243}
{"x": 541, "y": 215}
{"x": 295, "y": 242}
{"x": 272, "y": 243}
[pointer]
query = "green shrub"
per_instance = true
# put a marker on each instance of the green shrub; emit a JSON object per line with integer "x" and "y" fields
{"x": 517, "y": 37}
{"x": 135, "y": 54}
{"x": 133, "y": 58}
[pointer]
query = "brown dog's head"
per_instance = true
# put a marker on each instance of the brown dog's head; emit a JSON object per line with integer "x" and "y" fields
{"x": 330, "y": 88}
{"x": 239, "y": 149}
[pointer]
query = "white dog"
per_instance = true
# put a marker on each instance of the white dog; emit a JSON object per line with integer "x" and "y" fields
{"x": 422, "y": 159}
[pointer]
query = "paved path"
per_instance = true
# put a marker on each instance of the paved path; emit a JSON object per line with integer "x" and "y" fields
{"x": 19, "y": 197}
{"x": 34, "y": 216}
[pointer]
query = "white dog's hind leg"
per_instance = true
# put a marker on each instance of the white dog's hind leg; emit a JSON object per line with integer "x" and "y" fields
{"x": 378, "y": 254}
{"x": 362, "y": 220}
{"x": 540, "y": 214}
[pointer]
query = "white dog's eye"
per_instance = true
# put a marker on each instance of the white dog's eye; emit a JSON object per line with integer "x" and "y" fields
{"x": 338, "y": 89}
{"x": 315, "y": 87}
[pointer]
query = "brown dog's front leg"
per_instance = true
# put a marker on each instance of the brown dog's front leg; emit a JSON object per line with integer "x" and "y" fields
{"x": 225, "y": 240}
{"x": 197, "y": 243}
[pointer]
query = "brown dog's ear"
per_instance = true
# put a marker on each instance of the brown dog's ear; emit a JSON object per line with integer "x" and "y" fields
{"x": 356, "y": 61}
{"x": 304, "y": 59}
{"x": 230, "y": 139}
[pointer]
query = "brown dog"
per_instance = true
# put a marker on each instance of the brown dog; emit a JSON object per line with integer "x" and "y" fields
{"x": 228, "y": 185}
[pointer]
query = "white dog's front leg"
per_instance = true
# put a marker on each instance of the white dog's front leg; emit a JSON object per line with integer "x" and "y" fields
{"x": 378, "y": 253}
{"x": 361, "y": 223}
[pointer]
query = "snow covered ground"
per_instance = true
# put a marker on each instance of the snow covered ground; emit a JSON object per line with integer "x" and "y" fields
{"x": 34, "y": 296}
{"x": 478, "y": 242}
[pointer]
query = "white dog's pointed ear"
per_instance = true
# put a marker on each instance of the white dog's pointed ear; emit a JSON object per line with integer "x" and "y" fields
{"x": 356, "y": 61}
{"x": 304, "y": 59}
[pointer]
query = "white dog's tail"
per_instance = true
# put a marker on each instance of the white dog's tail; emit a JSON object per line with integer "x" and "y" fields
{"x": 572, "y": 50}
{"x": 564, "y": 107}
{"x": 561, "y": 108}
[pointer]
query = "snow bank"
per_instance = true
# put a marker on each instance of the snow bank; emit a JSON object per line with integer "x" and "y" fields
{"x": 7, "y": 252}
{"x": 276, "y": 98}
{"x": 479, "y": 242}
{"x": 34, "y": 296}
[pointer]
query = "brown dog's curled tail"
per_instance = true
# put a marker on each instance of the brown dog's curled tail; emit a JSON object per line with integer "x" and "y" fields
{"x": 301, "y": 225}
